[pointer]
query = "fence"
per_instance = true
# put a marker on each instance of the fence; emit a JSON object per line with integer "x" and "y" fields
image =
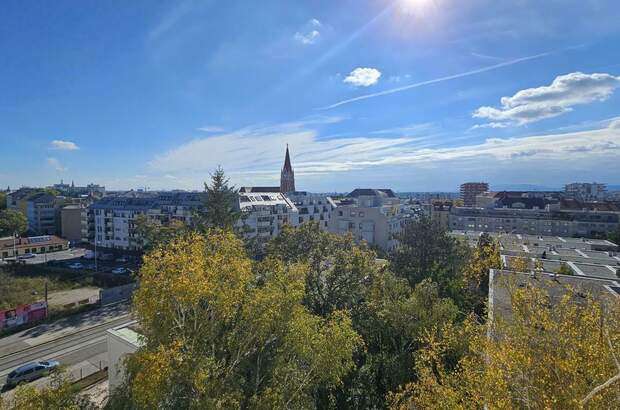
{"x": 116, "y": 294}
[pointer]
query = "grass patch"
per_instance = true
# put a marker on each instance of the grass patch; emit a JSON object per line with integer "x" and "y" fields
{"x": 18, "y": 290}
{"x": 91, "y": 379}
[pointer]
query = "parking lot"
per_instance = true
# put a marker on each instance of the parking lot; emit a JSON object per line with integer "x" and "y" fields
{"x": 80, "y": 259}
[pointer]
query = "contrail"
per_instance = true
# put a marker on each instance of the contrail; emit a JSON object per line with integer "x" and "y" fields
{"x": 441, "y": 79}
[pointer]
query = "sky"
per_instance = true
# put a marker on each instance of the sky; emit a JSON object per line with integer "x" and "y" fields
{"x": 413, "y": 95}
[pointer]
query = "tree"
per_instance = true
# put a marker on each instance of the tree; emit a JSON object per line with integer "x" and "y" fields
{"x": 12, "y": 222}
{"x": 339, "y": 270}
{"x": 562, "y": 356}
{"x": 484, "y": 257}
{"x": 426, "y": 250}
{"x": 2, "y": 201}
{"x": 152, "y": 232}
{"x": 391, "y": 322}
{"x": 221, "y": 208}
{"x": 216, "y": 335}
{"x": 61, "y": 395}
{"x": 519, "y": 264}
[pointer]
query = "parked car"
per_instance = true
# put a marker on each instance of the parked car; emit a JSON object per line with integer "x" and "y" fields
{"x": 120, "y": 271}
{"x": 122, "y": 259}
{"x": 76, "y": 265}
{"x": 27, "y": 256}
{"x": 105, "y": 257}
{"x": 30, "y": 372}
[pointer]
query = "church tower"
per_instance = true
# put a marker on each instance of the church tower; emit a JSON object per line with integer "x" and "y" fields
{"x": 287, "y": 176}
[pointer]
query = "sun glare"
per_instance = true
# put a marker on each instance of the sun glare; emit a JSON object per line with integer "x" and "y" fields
{"x": 415, "y": 7}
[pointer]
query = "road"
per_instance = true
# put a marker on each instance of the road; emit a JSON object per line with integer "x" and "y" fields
{"x": 78, "y": 342}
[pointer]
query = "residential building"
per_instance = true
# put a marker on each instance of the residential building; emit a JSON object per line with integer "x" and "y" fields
{"x": 287, "y": 176}
{"x": 114, "y": 216}
{"x": 313, "y": 207}
{"x": 440, "y": 213}
{"x": 265, "y": 210}
{"x": 469, "y": 190}
{"x": 371, "y": 215}
{"x": 40, "y": 208}
{"x": 534, "y": 221}
{"x": 74, "y": 223}
{"x": 586, "y": 191}
{"x": 11, "y": 247}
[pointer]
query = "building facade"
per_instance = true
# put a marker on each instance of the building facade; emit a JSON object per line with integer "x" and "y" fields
{"x": 10, "y": 247}
{"x": 313, "y": 208}
{"x": 40, "y": 208}
{"x": 74, "y": 223}
{"x": 371, "y": 215}
{"x": 265, "y": 210}
{"x": 114, "y": 216}
{"x": 534, "y": 221}
{"x": 586, "y": 191}
{"x": 469, "y": 190}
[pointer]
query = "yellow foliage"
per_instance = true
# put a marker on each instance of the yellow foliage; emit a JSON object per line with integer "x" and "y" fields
{"x": 543, "y": 358}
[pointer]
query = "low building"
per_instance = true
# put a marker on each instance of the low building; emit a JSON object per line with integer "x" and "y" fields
{"x": 122, "y": 341}
{"x": 11, "y": 247}
{"x": 375, "y": 216}
{"x": 440, "y": 213}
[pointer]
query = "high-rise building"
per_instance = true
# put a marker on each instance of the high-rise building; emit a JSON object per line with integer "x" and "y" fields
{"x": 287, "y": 176}
{"x": 469, "y": 190}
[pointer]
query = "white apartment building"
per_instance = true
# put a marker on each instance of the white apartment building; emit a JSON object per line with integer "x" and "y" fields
{"x": 265, "y": 210}
{"x": 114, "y": 215}
{"x": 313, "y": 207}
{"x": 371, "y": 215}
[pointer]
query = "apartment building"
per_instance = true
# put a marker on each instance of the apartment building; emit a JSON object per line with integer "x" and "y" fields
{"x": 40, "y": 208}
{"x": 469, "y": 190}
{"x": 114, "y": 216}
{"x": 534, "y": 221}
{"x": 586, "y": 191}
{"x": 74, "y": 223}
{"x": 371, "y": 215}
{"x": 312, "y": 207}
{"x": 265, "y": 210}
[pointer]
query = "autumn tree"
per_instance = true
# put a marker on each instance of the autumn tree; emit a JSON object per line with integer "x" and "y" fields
{"x": 221, "y": 208}
{"x": 61, "y": 394}
{"x": 519, "y": 264}
{"x": 152, "y": 233}
{"x": 559, "y": 353}
{"x": 484, "y": 257}
{"x": 12, "y": 222}
{"x": 564, "y": 269}
{"x": 426, "y": 250}
{"x": 2, "y": 201}
{"x": 339, "y": 270}
{"x": 218, "y": 335}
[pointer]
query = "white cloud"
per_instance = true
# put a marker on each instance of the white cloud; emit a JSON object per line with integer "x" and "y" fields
{"x": 363, "y": 77}
{"x": 211, "y": 128}
{"x": 310, "y": 33}
{"x": 535, "y": 104}
{"x": 254, "y": 155}
{"x": 55, "y": 163}
{"x": 64, "y": 145}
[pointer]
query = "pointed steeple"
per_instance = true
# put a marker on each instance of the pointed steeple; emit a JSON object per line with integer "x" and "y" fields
{"x": 287, "y": 176}
{"x": 287, "y": 161}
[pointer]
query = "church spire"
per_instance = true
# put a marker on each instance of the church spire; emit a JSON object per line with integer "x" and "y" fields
{"x": 287, "y": 176}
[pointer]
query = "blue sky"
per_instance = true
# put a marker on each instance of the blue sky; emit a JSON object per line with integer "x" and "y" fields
{"x": 408, "y": 94}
